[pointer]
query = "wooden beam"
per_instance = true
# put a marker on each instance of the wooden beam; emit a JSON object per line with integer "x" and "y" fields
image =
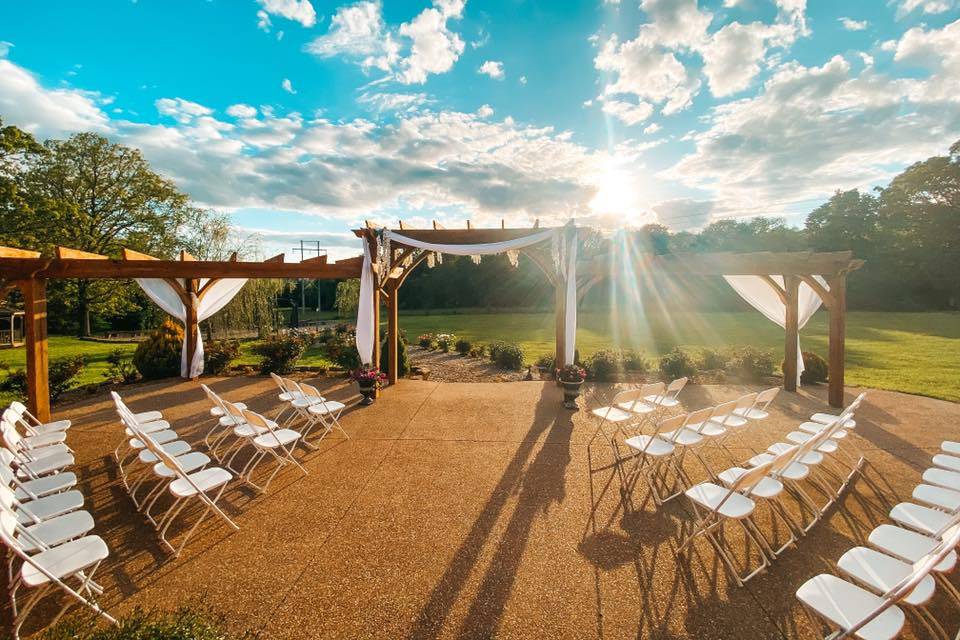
{"x": 469, "y": 224}
{"x": 280, "y": 257}
{"x": 76, "y": 254}
{"x": 35, "y": 324}
{"x": 321, "y": 259}
{"x": 820, "y": 290}
{"x": 791, "y": 332}
{"x": 734, "y": 264}
{"x": 12, "y": 252}
{"x": 437, "y": 226}
{"x": 186, "y": 256}
{"x": 393, "y": 332}
{"x": 130, "y": 254}
{"x": 776, "y": 288}
{"x": 838, "y": 331}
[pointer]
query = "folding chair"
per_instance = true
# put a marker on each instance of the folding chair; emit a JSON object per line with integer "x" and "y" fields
{"x": 734, "y": 423}
{"x": 41, "y": 446}
{"x": 652, "y": 452}
{"x": 616, "y": 416}
{"x": 224, "y": 421}
{"x": 32, "y": 469}
{"x": 36, "y": 534}
{"x": 32, "y": 438}
{"x": 326, "y": 412}
{"x": 78, "y": 559}
{"x": 33, "y": 424}
{"x": 714, "y": 505}
{"x": 688, "y": 437}
{"x": 758, "y": 410}
{"x": 274, "y": 441}
{"x": 644, "y": 401}
{"x": 668, "y": 397}
{"x": 31, "y": 489}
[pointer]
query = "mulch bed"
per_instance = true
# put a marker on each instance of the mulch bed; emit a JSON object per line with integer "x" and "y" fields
{"x": 452, "y": 367}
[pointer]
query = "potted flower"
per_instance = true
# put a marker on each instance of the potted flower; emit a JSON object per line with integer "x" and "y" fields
{"x": 369, "y": 380}
{"x": 571, "y": 377}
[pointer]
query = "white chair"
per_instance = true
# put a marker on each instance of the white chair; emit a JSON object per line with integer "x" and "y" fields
{"x": 276, "y": 442}
{"x": 31, "y": 489}
{"x": 652, "y": 453}
{"x": 948, "y": 446}
{"x": 688, "y": 437}
{"x": 714, "y": 505}
{"x": 759, "y": 409}
{"x": 735, "y": 424}
{"x": 53, "y": 568}
{"x": 32, "y": 438}
{"x": 33, "y": 424}
{"x": 645, "y": 400}
{"x": 322, "y": 411}
{"x": 27, "y": 469}
{"x": 668, "y": 397}
{"x": 222, "y": 420}
{"x": 612, "y": 414}
{"x": 36, "y": 534}
{"x": 39, "y": 449}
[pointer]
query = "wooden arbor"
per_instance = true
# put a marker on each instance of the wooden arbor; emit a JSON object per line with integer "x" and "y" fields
{"x": 29, "y": 271}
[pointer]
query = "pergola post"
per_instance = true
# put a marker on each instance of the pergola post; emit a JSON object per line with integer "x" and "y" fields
{"x": 191, "y": 324}
{"x": 838, "y": 330}
{"x": 792, "y": 300}
{"x": 35, "y": 321}
{"x": 393, "y": 333}
{"x": 377, "y": 278}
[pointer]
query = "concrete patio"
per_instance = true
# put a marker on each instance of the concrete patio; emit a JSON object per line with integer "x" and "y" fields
{"x": 475, "y": 510}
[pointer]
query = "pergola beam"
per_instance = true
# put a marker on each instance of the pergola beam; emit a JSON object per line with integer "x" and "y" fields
{"x": 51, "y": 268}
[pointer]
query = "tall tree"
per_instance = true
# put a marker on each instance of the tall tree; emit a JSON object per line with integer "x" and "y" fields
{"x": 18, "y": 149}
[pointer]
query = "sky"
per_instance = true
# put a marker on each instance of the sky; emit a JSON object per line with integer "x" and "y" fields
{"x": 301, "y": 119}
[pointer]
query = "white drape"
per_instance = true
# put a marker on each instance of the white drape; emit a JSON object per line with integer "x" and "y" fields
{"x": 214, "y": 299}
{"x": 365, "y": 329}
{"x": 764, "y": 299}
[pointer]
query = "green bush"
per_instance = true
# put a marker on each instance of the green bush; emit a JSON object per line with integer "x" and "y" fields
{"x": 478, "y": 350}
{"x": 218, "y": 355}
{"x": 815, "y": 368}
{"x": 634, "y": 361}
{"x": 713, "y": 359}
{"x": 62, "y": 377}
{"x": 605, "y": 365}
{"x": 185, "y": 623}
{"x": 547, "y": 361}
{"x": 427, "y": 341}
{"x": 403, "y": 362}
{"x": 121, "y": 368}
{"x": 509, "y": 356}
{"x": 751, "y": 363}
{"x": 159, "y": 355}
{"x": 676, "y": 364}
{"x": 494, "y": 348}
{"x": 463, "y": 346}
{"x": 445, "y": 341}
{"x": 342, "y": 349}
{"x": 279, "y": 353}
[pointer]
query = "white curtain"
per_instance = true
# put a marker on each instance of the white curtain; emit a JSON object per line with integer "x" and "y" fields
{"x": 764, "y": 299}
{"x": 366, "y": 330}
{"x": 214, "y": 299}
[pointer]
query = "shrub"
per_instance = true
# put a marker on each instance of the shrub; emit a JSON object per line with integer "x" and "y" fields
{"x": 159, "y": 355}
{"x": 751, "y": 363}
{"x": 478, "y": 350}
{"x": 218, "y": 355}
{"x": 279, "y": 353}
{"x": 713, "y": 359}
{"x": 403, "y": 362}
{"x": 605, "y": 365}
{"x": 815, "y": 368}
{"x": 509, "y": 356}
{"x": 121, "y": 368}
{"x": 427, "y": 341}
{"x": 547, "y": 361}
{"x": 495, "y": 348}
{"x": 445, "y": 341}
{"x": 634, "y": 361}
{"x": 676, "y": 364}
{"x": 463, "y": 346}
{"x": 185, "y": 623}
{"x": 62, "y": 377}
{"x": 342, "y": 349}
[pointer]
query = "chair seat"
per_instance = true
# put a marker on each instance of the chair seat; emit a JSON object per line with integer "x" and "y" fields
{"x": 640, "y": 407}
{"x": 175, "y": 448}
{"x": 799, "y": 437}
{"x": 51, "y": 451}
{"x": 683, "y": 437}
{"x": 147, "y": 416}
{"x": 189, "y": 463}
{"x": 44, "y": 439}
{"x": 612, "y": 414}
{"x": 922, "y": 519}
{"x": 845, "y": 605}
{"x": 304, "y": 402}
{"x": 909, "y": 546}
{"x": 830, "y": 418}
{"x": 654, "y": 446}
{"x": 45, "y": 465}
{"x": 795, "y": 470}
{"x": 56, "y": 531}
{"x": 942, "y": 478}
{"x": 276, "y": 438}
{"x": 880, "y": 573}
{"x": 327, "y": 407}
{"x": 159, "y": 437}
{"x": 231, "y": 421}
{"x": 249, "y": 431}
{"x": 217, "y": 412}
{"x": 767, "y": 487}
{"x": 752, "y": 413}
{"x": 950, "y": 463}
{"x": 50, "y": 506}
{"x": 809, "y": 458}
{"x": 662, "y": 401}
{"x": 210, "y": 478}
{"x": 709, "y": 496}
{"x": 50, "y": 427}
{"x": 46, "y": 485}
{"x": 708, "y": 429}
{"x": 730, "y": 421}
{"x": 150, "y": 427}
{"x": 948, "y": 446}
{"x": 65, "y": 560}
{"x": 813, "y": 428}
{"x": 937, "y": 497}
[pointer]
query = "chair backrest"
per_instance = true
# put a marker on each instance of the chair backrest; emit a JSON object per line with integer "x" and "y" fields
{"x": 292, "y": 385}
{"x": 255, "y": 419}
{"x": 233, "y": 410}
{"x": 746, "y": 401}
{"x": 749, "y": 479}
{"x": 723, "y": 412}
{"x": 783, "y": 460}
{"x": 277, "y": 379}
{"x": 311, "y": 391}
{"x": 672, "y": 424}
{"x": 657, "y": 389}
{"x": 696, "y": 419}
{"x": 764, "y": 398}
{"x": 629, "y": 399}
{"x": 676, "y": 386}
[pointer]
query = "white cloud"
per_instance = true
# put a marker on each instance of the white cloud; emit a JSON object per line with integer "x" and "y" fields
{"x": 853, "y": 25}
{"x": 523, "y": 80}
{"x": 906, "y": 7}
{"x": 297, "y": 10}
{"x": 386, "y": 102}
{"x": 485, "y": 111}
{"x": 183, "y": 111}
{"x": 492, "y": 68}
{"x": 683, "y": 213}
{"x": 241, "y": 111}
{"x": 628, "y": 112}
{"x": 287, "y": 86}
{"x": 733, "y": 54}
{"x": 263, "y": 21}
{"x": 44, "y": 112}
{"x": 409, "y": 53}
{"x": 648, "y": 73}
{"x": 651, "y": 128}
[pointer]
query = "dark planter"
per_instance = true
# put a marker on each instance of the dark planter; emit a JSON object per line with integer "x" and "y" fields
{"x": 368, "y": 391}
{"x": 571, "y": 391}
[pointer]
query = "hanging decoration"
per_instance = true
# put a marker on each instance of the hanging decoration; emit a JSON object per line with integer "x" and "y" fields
{"x": 476, "y": 260}
{"x": 514, "y": 257}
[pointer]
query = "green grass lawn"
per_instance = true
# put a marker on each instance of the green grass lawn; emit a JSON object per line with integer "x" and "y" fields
{"x": 911, "y": 352}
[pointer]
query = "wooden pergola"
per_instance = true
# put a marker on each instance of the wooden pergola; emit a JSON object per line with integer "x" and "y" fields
{"x": 794, "y": 267}
{"x": 29, "y": 271}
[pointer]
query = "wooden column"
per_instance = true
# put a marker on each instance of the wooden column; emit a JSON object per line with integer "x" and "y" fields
{"x": 838, "y": 330}
{"x": 393, "y": 333}
{"x": 191, "y": 325}
{"x": 35, "y": 324}
{"x": 791, "y": 290}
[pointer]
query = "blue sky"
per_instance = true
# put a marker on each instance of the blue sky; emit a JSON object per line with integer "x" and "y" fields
{"x": 302, "y": 118}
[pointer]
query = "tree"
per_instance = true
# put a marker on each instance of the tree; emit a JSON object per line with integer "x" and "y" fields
{"x": 93, "y": 195}
{"x": 18, "y": 149}
{"x": 348, "y": 298}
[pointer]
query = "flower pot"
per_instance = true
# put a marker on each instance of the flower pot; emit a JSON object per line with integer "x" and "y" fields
{"x": 571, "y": 391}
{"x": 368, "y": 391}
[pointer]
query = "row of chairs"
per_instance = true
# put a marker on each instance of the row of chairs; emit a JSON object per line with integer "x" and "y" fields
{"x": 42, "y": 520}
{"x": 732, "y": 496}
{"x": 902, "y": 566}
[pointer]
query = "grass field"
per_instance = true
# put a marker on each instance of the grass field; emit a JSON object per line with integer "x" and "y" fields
{"x": 911, "y": 352}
